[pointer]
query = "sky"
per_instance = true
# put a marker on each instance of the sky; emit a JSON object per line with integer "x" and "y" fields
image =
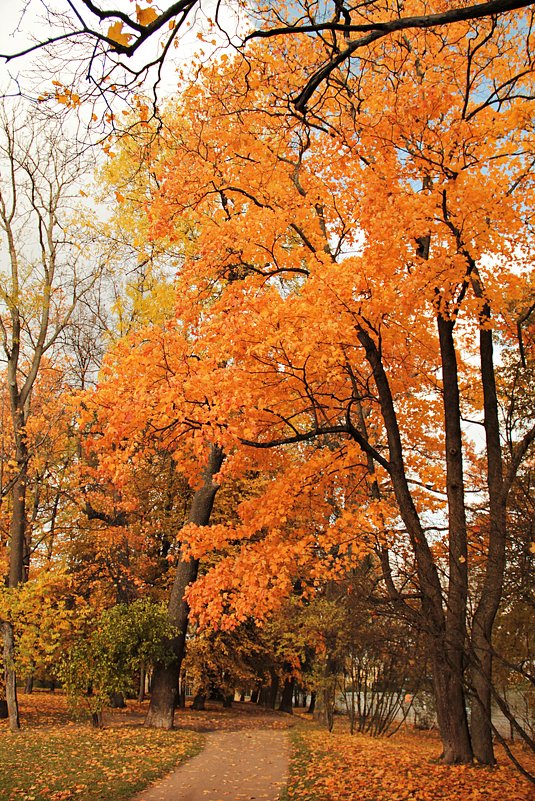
{"x": 23, "y": 21}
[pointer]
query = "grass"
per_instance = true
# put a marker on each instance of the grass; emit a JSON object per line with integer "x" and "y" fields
{"x": 52, "y": 759}
{"x": 300, "y": 783}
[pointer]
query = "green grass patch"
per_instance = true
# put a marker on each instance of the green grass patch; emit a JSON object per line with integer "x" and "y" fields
{"x": 301, "y": 785}
{"x": 78, "y": 762}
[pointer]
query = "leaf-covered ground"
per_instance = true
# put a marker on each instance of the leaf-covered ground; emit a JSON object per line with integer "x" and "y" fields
{"x": 341, "y": 767}
{"x": 52, "y": 759}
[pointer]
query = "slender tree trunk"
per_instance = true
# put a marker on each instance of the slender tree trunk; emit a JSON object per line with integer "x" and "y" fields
{"x": 96, "y": 720}
{"x": 17, "y": 533}
{"x": 491, "y": 593}
{"x": 141, "y": 685}
{"x": 17, "y": 529}
{"x": 449, "y": 667}
{"x": 10, "y": 676}
{"x": 273, "y": 690}
{"x": 199, "y": 701}
{"x": 165, "y": 678}
{"x": 312, "y": 704}
{"x": 452, "y": 723}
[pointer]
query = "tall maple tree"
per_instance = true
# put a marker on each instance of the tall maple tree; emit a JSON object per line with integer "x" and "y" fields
{"x": 363, "y": 272}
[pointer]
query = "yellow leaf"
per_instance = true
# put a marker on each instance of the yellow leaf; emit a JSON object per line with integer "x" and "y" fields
{"x": 146, "y": 15}
{"x": 115, "y": 33}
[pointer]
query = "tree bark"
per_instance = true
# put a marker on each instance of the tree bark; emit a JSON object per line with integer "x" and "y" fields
{"x": 449, "y": 671}
{"x": 272, "y": 691}
{"x": 10, "y": 676}
{"x": 117, "y": 701}
{"x": 485, "y": 613}
{"x": 286, "y": 704}
{"x": 141, "y": 685}
{"x": 447, "y": 678}
{"x": 199, "y": 701}
{"x": 166, "y": 675}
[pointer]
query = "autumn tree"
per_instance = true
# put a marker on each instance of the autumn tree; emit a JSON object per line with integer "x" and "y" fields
{"x": 141, "y": 375}
{"x": 418, "y": 173}
{"x": 43, "y": 279}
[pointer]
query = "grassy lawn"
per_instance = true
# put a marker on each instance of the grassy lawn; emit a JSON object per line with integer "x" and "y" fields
{"x": 51, "y": 759}
{"x": 341, "y": 767}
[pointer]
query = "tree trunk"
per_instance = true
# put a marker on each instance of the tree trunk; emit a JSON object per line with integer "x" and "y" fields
{"x": 485, "y": 613}
{"x": 451, "y": 710}
{"x": 480, "y": 709}
{"x": 10, "y": 677}
{"x": 117, "y": 701}
{"x": 163, "y": 698}
{"x": 17, "y": 529}
{"x": 273, "y": 691}
{"x": 449, "y": 666}
{"x": 96, "y": 720}
{"x": 17, "y": 533}
{"x": 141, "y": 686}
{"x": 443, "y": 630}
{"x": 165, "y": 678}
{"x": 28, "y": 687}
{"x": 312, "y": 704}
{"x": 199, "y": 701}
{"x": 286, "y": 704}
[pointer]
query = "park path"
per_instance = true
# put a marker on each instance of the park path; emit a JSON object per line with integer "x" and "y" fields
{"x": 234, "y": 766}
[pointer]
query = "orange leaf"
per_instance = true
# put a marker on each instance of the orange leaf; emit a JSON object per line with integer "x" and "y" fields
{"x": 146, "y": 15}
{"x": 115, "y": 33}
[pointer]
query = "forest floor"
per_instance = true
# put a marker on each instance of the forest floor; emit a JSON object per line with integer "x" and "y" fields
{"x": 233, "y": 755}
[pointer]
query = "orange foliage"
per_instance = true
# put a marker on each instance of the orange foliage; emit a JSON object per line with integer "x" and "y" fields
{"x": 296, "y": 239}
{"x": 346, "y": 767}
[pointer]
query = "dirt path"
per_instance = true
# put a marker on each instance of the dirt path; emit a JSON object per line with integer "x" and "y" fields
{"x": 234, "y": 766}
